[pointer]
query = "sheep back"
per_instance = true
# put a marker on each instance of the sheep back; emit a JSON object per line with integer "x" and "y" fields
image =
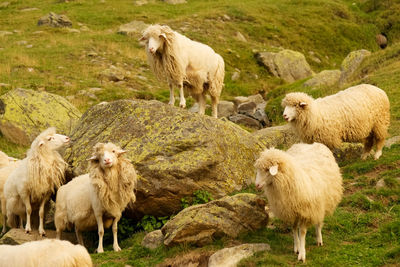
{"x": 350, "y": 115}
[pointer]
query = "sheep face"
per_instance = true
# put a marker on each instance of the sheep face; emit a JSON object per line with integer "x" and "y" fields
{"x": 54, "y": 141}
{"x": 294, "y": 104}
{"x": 265, "y": 176}
{"x": 106, "y": 154}
{"x": 154, "y": 38}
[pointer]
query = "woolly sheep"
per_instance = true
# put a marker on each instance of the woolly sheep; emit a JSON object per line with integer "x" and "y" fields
{"x": 302, "y": 185}
{"x": 45, "y": 253}
{"x": 185, "y": 63}
{"x": 37, "y": 177}
{"x": 358, "y": 114}
{"x": 4, "y": 173}
{"x": 97, "y": 198}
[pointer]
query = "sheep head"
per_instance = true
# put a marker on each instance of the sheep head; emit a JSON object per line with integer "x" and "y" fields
{"x": 154, "y": 37}
{"x": 50, "y": 140}
{"x": 294, "y": 104}
{"x": 269, "y": 166}
{"x": 106, "y": 154}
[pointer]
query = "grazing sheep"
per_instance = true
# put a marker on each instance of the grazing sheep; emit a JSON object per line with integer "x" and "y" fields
{"x": 36, "y": 178}
{"x": 358, "y": 114}
{"x": 99, "y": 197}
{"x": 45, "y": 253}
{"x": 302, "y": 185}
{"x": 185, "y": 63}
{"x": 4, "y": 173}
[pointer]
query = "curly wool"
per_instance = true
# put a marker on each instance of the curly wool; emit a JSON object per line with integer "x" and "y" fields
{"x": 46, "y": 168}
{"x": 350, "y": 115}
{"x": 308, "y": 185}
{"x": 114, "y": 186}
{"x": 173, "y": 62}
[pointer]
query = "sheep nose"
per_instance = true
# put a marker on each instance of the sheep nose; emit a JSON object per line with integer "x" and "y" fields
{"x": 285, "y": 117}
{"x": 107, "y": 160}
{"x": 67, "y": 139}
{"x": 151, "y": 49}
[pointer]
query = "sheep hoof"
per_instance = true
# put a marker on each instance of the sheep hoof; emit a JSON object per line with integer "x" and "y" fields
{"x": 364, "y": 156}
{"x": 301, "y": 258}
{"x": 182, "y": 105}
{"x": 117, "y": 248}
{"x": 42, "y": 234}
{"x": 100, "y": 250}
{"x": 171, "y": 103}
{"x": 320, "y": 244}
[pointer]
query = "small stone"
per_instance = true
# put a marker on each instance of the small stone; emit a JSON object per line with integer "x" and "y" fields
{"x": 239, "y": 36}
{"x": 73, "y": 30}
{"x": 55, "y": 20}
{"x": 29, "y": 46}
{"x": 380, "y": 184}
{"x": 391, "y": 141}
{"x": 246, "y": 121}
{"x": 235, "y": 76}
{"x": 133, "y": 28}
{"x": 84, "y": 28}
{"x": 226, "y": 17}
{"x": 175, "y": 2}
{"x": 258, "y": 99}
{"x": 153, "y": 240}
{"x": 240, "y": 99}
{"x": 225, "y": 109}
{"x": 247, "y": 108}
{"x": 4, "y": 33}
{"x": 92, "y": 54}
{"x": 29, "y": 9}
{"x": 2, "y": 85}
{"x": 21, "y": 42}
{"x": 38, "y": 32}
{"x": 4, "y": 4}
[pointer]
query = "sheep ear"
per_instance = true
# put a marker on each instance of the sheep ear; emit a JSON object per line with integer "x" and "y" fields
{"x": 120, "y": 152}
{"x": 41, "y": 143}
{"x": 142, "y": 39}
{"x": 92, "y": 158}
{"x": 303, "y": 104}
{"x": 163, "y": 35}
{"x": 273, "y": 170}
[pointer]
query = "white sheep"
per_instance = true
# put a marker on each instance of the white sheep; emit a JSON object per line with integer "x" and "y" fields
{"x": 185, "y": 63}
{"x": 4, "y": 173}
{"x": 97, "y": 198}
{"x": 302, "y": 185}
{"x": 358, "y": 114}
{"x": 45, "y": 253}
{"x": 36, "y": 178}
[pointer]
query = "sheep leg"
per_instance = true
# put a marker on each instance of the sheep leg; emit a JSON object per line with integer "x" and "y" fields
{"x": 3, "y": 211}
{"x": 379, "y": 146}
{"x": 296, "y": 239}
{"x": 202, "y": 104}
{"x": 368, "y": 143}
{"x": 302, "y": 250}
{"x": 79, "y": 236}
{"x": 21, "y": 222}
{"x": 171, "y": 95}
{"x": 115, "y": 232}
{"x": 214, "y": 106}
{"x": 100, "y": 228}
{"x": 28, "y": 209}
{"x": 41, "y": 216}
{"x": 318, "y": 233}
{"x": 182, "y": 100}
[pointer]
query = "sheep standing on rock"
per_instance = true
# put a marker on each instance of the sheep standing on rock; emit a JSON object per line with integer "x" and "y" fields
{"x": 302, "y": 185}
{"x": 358, "y": 114}
{"x": 45, "y": 253}
{"x": 36, "y": 177}
{"x": 97, "y": 198}
{"x": 185, "y": 63}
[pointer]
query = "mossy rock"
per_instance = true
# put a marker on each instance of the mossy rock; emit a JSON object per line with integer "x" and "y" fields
{"x": 287, "y": 64}
{"x": 324, "y": 79}
{"x": 26, "y": 113}
{"x": 350, "y": 64}
{"x": 228, "y": 216}
{"x": 175, "y": 152}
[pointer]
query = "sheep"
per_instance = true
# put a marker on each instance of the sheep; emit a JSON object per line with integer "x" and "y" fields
{"x": 99, "y": 197}
{"x": 358, "y": 114}
{"x": 185, "y": 63}
{"x": 302, "y": 185}
{"x": 5, "y": 159}
{"x": 4, "y": 173}
{"x": 36, "y": 177}
{"x": 44, "y": 253}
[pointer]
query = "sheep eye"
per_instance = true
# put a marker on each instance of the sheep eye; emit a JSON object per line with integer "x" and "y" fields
{"x": 113, "y": 151}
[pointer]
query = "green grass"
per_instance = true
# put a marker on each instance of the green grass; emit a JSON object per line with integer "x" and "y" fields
{"x": 365, "y": 229}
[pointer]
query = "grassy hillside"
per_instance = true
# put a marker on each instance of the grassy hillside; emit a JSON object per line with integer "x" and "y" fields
{"x": 365, "y": 229}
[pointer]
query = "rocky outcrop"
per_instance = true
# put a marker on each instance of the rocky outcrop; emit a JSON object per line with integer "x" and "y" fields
{"x": 26, "y": 113}
{"x": 153, "y": 240}
{"x": 230, "y": 257}
{"x": 228, "y": 216}
{"x": 286, "y": 64}
{"x": 175, "y": 152}
{"x": 351, "y": 63}
{"x": 18, "y": 236}
{"x": 54, "y": 20}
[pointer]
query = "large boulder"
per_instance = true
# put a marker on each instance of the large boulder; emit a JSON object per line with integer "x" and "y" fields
{"x": 324, "y": 78}
{"x": 54, "y": 20}
{"x": 286, "y": 64}
{"x": 351, "y": 63}
{"x": 228, "y": 216}
{"x": 26, "y": 113}
{"x": 175, "y": 152}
